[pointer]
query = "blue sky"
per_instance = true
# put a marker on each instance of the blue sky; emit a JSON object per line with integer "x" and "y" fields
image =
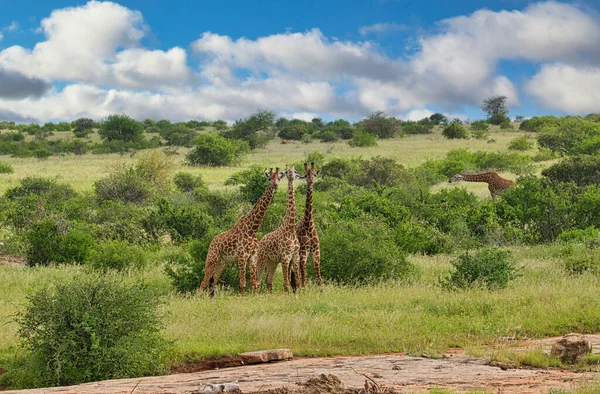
{"x": 225, "y": 59}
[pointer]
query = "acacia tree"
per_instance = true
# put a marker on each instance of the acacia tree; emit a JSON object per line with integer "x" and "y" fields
{"x": 253, "y": 129}
{"x": 122, "y": 128}
{"x": 496, "y": 109}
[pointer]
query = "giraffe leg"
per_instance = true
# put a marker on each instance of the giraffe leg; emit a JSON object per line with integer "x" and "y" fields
{"x": 255, "y": 274}
{"x": 212, "y": 261}
{"x": 271, "y": 268}
{"x": 285, "y": 267}
{"x": 302, "y": 271}
{"x": 316, "y": 256}
{"x": 295, "y": 268}
{"x": 242, "y": 260}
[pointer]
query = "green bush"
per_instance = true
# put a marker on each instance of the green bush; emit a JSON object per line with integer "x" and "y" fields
{"x": 74, "y": 247}
{"x": 121, "y": 128}
{"x": 579, "y": 235}
{"x": 380, "y": 126}
{"x": 537, "y": 123}
{"x": 362, "y": 139}
{"x": 126, "y": 184}
{"x": 417, "y": 237}
{"x": 92, "y": 329}
{"x": 327, "y": 136}
{"x": 410, "y": 127}
{"x": 480, "y": 125}
{"x": 499, "y": 119}
{"x": 255, "y": 129}
{"x": 6, "y": 168}
{"x": 342, "y": 128}
{"x": 570, "y": 134}
{"x": 42, "y": 153}
{"x": 116, "y": 255}
{"x": 544, "y": 154}
{"x": 182, "y": 221}
{"x": 583, "y": 170}
{"x": 83, "y": 124}
{"x": 82, "y": 133}
{"x": 490, "y": 268}
{"x": 43, "y": 240}
{"x": 187, "y": 182}
{"x": 361, "y": 252}
{"x": 506, "y": 124}
{"x": 520, "y": 144}
{"x": 252, "y": 183}
{"x": 214, "y": 150}
{"x": 455, "y": 131}
{"x": 294, "y": 130}
{"x": 587, "y": 261}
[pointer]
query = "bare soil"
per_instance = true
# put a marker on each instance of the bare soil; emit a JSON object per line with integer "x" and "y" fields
{"x": 387, "y": 373}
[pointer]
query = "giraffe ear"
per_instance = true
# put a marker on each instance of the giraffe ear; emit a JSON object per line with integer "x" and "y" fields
{"x": 266, "y": 174}
{"x": 281, "y": 175}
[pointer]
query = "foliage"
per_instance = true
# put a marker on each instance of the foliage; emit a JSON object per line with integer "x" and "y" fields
{"x": 490, "y": 268}
{"x": 187, "y": 182}
{"x": 410, "y": 127}
{"x": 155, "y": 167}
{"x": 504, "y": 123}
{"x": 579, "y": 235}
{"x": 380, "y": 125}
{"x": 419, "y": 237}
{"x": 54, "y": 241}
{"x": 252, "y": 183}
{"x": 520, "y": 144}
{"x": 362, "y": 139}
{"x": 182, "y": 221}
{"x": 570, "y": 134}
{"x": 340, "y": 127}
{"x": 495, "y": 107}
{"x": 349, "y": 258}
{"x": 254, "y": 129}
{"x": 482, "y": 125}
{"x": 583, "y": 170}
{"x": 6, "y": 168}
{"x": 454, "y": 131}
{"x": 82, "y": 133}
{"x": 82, "y": 124}
{"x": 121, "y": 128}
{"x": 126, "y": 184}
{"x": 178, "y": 134}
{"x": 295, "y": 130}
{"x": 92, "y": 329}
{"x": 537, "y": 123}
{"x": 587, "y": 261}
{"x": 438, "y": 119}
{"x": 116, "y": 255}
{"x": 214, "y": 150}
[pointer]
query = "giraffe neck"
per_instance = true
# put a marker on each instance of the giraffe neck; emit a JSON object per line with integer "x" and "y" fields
{"x": 308, "y": 212}
{"x": 290, "y": 213}
{"x": 255, "y": 217}
{"x": 484, "y": 177}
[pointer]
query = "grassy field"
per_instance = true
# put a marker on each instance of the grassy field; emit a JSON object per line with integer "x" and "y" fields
{"x": 419, "y": 317}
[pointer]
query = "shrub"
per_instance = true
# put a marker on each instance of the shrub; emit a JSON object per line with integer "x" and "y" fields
{"x": 499, "y": 119}
{"x": 341, "y": 128}
{"x": 570, "y": 134}
{"x": 6, "y": 168}
{"x": 410, "y": 127}
{"x": 42, "y": 153}
{"x": 74, "y": 247}
{"x": 92, "y": 329}
{"x": 583, "y": 170}
{"x": 579, "y": 235}
{"x": 506, "y": 124}
{"x": 182, "y": 221}
{"x": 479, "y": 134}
{"x": 294, "y": 130}
{"x": 536, "y": 123}
{"x": 454, "y": 130}
{"x": 214, "y": 150}
{"x": 379, "y": 171}
{"x": 12, "y": 136}
{"x": 417, "y": 237}
{"x": 43, "y": 240}
{"x": 156, "y": 167}
{"x": 177, "y": 134}
{"x": 125, "y": 184}
{"x": 544, "y": 154}
{"x": 520, "y": 144}
{"x": 490, "y": 268}
{"x": 362, "y": 252}
{"x": 83, "y": 124}
{"x": 121, "y": 128}
{"x": 116, "y": 255}
{"x": 83, "y": 133}
{"x": 187, "y": 182}
{"x": 586, "y": 262}
{"x": 480, "y": 125}
{"x": 255, "y": 129}
{"x": 362, "y": 139}
{"x": 252, "y": 183}
{"x": 327, "y": 136}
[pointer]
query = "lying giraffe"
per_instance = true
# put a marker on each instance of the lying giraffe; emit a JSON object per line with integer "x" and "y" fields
{"x": 307, "y": 232}
{"x": 279, "y": 246}
{"x": 496, "y": 184}
{"x": 240, "y": 242}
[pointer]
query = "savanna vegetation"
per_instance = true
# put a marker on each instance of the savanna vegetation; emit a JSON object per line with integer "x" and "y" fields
{"x": 114, "y": 218}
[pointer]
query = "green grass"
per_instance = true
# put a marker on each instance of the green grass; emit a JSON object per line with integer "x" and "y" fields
{"x": 390, "y": 317}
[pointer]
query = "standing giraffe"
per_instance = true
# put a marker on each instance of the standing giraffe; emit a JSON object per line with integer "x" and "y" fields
{"x": 280, "y": 245}
{"x": 307, "y": 232}
{"x": 496, "y": 184}
{"x": 239, "y": 243}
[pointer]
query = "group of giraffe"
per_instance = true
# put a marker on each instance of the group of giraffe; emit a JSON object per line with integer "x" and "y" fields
{"x": 290, "y": 244}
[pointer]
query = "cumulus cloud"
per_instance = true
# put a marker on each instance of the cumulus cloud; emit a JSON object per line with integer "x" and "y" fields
{"x": 12, "y": 27}
{"x": 567, "y": 88}
{"x": 14, "y": 85}
{"x": 82, "y": 45}
{"x": 96, "y": 48}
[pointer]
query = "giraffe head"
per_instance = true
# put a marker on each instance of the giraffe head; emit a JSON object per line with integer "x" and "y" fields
{"x": 456, "y": 178}
{"x": 274, "y": 176}
{"x": 310, "y": 173}
{"x": 291, "y": 174}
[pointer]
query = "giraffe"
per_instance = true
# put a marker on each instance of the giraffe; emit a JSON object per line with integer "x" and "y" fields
{"x": 239, "y": 243}
{"x": 280, "y": 245}
{"x": 307, "y": 233}
{"x": 496, "y": 184}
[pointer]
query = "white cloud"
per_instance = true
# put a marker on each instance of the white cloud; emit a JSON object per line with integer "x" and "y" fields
{"x": 96, "y": 49}
{"x": 567, "y": 88}
{"x": 12, "y": 27}
{"x": 380, "y": 28}
{"x": 82, "y": 45}
{"x": 1, "y": 36}
{"x": 416, "y": 114}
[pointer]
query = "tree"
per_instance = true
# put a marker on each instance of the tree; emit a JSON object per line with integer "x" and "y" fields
{"x": 294, "y": 130}
{"x": 380, "y": 125}
{"x": 121, "y": 128}
{"x": 83, "y": 124}
{"x": 455, "y": 130}
{"x": 214, "y": 150}
{"x": 438, "y": 118}
{"x": 496, "y": 109}
{"x": 252, "y": 129}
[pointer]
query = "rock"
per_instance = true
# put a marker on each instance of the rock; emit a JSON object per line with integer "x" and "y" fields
{"x": 570, "y": 347}
{"x": 219, "y": 388}
{"x": 265, "y": 356}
